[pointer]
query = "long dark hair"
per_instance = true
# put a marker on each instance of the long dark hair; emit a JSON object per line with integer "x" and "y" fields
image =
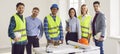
{"x": 74, "y": 11}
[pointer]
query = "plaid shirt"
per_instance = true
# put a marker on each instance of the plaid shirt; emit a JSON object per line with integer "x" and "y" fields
{"x": 60, "y": 36}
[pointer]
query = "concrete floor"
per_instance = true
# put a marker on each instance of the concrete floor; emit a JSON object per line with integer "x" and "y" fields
{"x": 5, "y": 51}
{"x": 8, "y": 50}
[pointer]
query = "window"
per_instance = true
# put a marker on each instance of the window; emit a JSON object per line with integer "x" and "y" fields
{"x": 76, "y": 4}
{"x": 114, "y": 18}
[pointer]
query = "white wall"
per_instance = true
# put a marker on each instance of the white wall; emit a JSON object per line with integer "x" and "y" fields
{"x": 105, "y": 8}
{"x": 111, "y": 46}
{"x": 109, "y": 7}
{"x": 8, "y": 8}
{"x": 115, "y": 18}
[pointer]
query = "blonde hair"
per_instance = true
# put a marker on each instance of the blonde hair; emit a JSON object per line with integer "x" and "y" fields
{"x": 81, "y": 8}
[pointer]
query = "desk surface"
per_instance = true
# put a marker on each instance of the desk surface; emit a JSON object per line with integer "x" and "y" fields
{"x": 64, "y": 49}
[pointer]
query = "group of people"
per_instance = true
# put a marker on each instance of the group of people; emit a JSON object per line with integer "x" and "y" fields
{"x": 26, "y": 32}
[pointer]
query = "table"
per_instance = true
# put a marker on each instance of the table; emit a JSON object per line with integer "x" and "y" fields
{"x": 65, "y": 49}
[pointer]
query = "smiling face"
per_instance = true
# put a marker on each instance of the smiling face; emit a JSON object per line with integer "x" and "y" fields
{"x": 20, "y": 9}
{"x": 84, "y": 9}
{"x": 96, "y": 7}
{"x": 54, "y": 11}
{"x": 35, "y": 12}
{"x": 72, "y": 13}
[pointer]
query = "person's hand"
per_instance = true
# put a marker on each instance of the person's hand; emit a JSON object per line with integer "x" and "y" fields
{"x": 37, "y": 37}
{"x": 68, "y": 29}
{"x": 101, "y": 39}
{"x": 51, "y": 41}
{"x": 61, "y": 42}
{"x": 78, "y": 40}
{"x": 16, "y": 39}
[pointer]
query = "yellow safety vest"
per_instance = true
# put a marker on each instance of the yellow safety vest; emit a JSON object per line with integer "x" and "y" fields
{"x": 85, "y": 25}
{"x": 53, "y": 26}
{"x": 20, "y": 27}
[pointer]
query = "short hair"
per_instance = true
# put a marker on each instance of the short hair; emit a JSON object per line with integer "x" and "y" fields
{"x": 36, "y": 8}
{"x": 74, "y": 11}
{"x": 20, "y": 3}
{"x": 81, "y": 8}
{"x": 96, "y": 2}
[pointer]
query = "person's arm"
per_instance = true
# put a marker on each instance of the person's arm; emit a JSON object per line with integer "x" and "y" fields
{"x": 90, "y": 26}
{"x": 78, "y": 29}
{"x": 103, "y": 25}
{"x": 41, "y": 29}
{"x": 12, "y": 26}
{"x": 46, "y": 29}
{"x": 61, "y": 31}
{"x": 26, "y": 23}
{"x": 67, "y": 26}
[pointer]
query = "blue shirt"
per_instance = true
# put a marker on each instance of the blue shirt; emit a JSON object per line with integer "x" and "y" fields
{"x": 74, "y": 25}
{"x": 34, "y": 27}
{"x": 60, "y": 36}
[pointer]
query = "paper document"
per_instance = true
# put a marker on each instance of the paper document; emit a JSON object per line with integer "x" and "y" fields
{"x": 97, "y": 36}
{"x": 18, "y": 35}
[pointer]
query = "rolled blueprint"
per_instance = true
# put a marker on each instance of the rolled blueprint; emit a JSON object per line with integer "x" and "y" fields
{"x": 77, "y": 44}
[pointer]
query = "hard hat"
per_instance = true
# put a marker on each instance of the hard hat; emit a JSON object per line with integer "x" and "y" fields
{"x": 54, "y": 6}
{"x": 83, "y": 41}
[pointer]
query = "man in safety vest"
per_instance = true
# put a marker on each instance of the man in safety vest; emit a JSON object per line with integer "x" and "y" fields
{"x": 85, "y": 22}
{"x": 17, "y": 30}
{"x": 53, "y": 27}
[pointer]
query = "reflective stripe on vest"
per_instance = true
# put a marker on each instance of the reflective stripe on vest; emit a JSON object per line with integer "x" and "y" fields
{"x": 53, "y": 26}
{"x": 85, "y": 25}
{"x": 20, "y": 27}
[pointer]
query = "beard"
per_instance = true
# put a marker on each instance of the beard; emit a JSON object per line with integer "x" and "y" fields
{"x": 20, "y": 12}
